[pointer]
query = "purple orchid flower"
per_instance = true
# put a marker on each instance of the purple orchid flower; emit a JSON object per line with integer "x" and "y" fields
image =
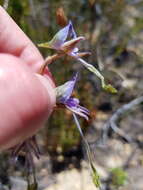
{"x": 60, "y": 38}
{"x": 64, "y": 93}
{"x": 65, "y": 42}
{"x": 61, "y": 43}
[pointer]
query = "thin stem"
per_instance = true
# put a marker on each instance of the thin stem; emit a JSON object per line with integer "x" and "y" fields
{"x": 49, "y": 60}
{"x": 83, "y": 138}
{"x": 95, "y": 176}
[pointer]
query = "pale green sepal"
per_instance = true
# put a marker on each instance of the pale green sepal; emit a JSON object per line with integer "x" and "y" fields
{"x": 45, "y": 45}
{"x": 91, "y": 68}
{"x": 110, "y": 88}
{"x": 58, "y": 40}
{"x": 61, "y": 91}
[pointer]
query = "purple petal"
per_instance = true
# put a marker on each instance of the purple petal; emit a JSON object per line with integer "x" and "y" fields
{"x": 72, "y": 31}
{"x": 78, "y": 111}
{"x": 60, "y": 37}
{"x": 72, "y": 102}
{"x": 73, "y": 105}
{"x": 85, "y": 110}
{"x": 69, "y": 89}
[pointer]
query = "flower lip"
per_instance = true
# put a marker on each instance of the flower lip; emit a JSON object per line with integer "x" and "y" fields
{"x": 72, "y": 102}
{"x": 73, "y": 105}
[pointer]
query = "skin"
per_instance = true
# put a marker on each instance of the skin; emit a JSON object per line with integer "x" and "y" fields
{"x": 26, "y": 98}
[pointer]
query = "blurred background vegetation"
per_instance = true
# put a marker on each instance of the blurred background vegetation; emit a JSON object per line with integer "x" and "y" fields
{"x": 114, "y": 35}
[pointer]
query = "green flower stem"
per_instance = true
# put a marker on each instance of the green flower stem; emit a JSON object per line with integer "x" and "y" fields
{"x": 95, "y": 176}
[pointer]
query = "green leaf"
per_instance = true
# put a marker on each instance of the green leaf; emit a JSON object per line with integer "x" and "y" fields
{"x": 118, "y": 177}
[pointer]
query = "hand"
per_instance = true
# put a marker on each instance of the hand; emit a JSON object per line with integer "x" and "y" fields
{"x": 26, "y": 98}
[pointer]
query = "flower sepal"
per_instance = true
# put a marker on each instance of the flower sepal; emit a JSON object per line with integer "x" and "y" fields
{"x": 60, "y": 37}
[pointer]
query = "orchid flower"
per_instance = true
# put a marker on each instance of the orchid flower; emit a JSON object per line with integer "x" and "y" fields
{"x": 63, "y": 94}
{"x": 63, "y": 45}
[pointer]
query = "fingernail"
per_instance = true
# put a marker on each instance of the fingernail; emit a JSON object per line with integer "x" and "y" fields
{"x": 49, "y": 87}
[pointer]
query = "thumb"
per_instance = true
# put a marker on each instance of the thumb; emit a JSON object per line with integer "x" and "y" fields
{"x": 26, "y": 101}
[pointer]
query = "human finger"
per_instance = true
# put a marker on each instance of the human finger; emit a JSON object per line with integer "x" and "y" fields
{"x": 14, "y": 41}
{"x": 26, "y": 101}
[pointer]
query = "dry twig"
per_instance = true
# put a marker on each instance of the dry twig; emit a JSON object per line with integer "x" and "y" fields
{"x": 112, "y": 122}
